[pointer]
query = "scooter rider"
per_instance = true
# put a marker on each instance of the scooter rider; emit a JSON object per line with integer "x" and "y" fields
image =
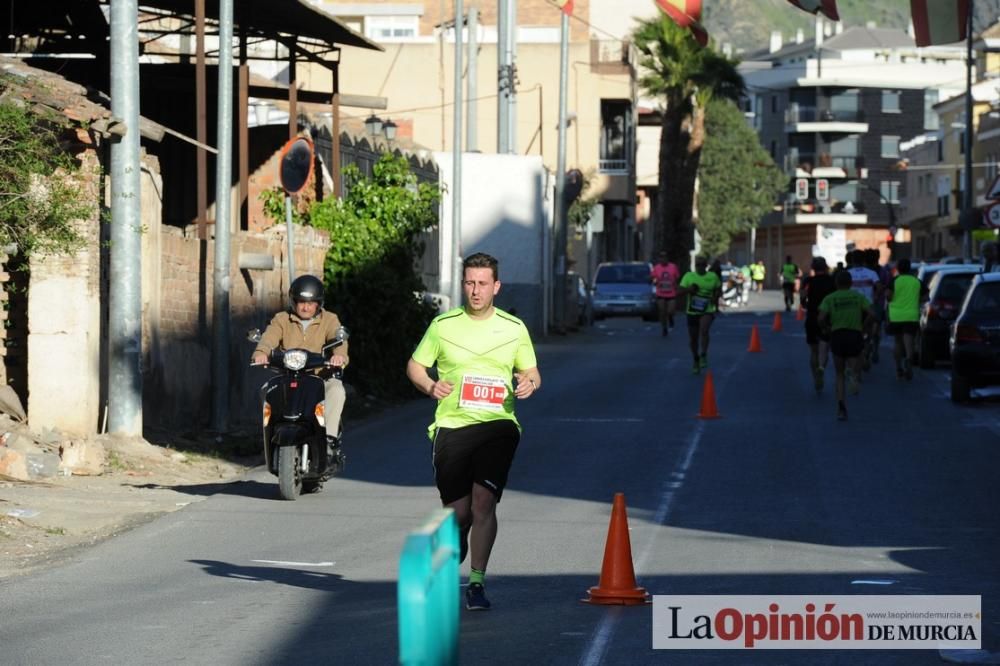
{"x": 306, "y": 325}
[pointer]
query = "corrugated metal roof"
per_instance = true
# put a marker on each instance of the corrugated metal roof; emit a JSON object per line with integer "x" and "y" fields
{"x": 269, "y": 18}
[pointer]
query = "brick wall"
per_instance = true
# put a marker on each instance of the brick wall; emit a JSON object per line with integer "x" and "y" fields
{"x": 177, "y": 379}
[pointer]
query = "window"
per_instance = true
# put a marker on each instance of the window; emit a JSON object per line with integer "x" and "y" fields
{"x": 890, "y": 146}
{"x": 616, "y": 136}
{"x": 931, "y": 120}
{"x": 889, "y": 189}
{"x": 391, "y": 28}
{"x": 961, "y": 143}
{"x": 940, "y": 151}
{"x": 774, "y": 103}
{"x": 890, "y": 101}
{"x": 774, "y": 150}
{"x": 844, "y": 105}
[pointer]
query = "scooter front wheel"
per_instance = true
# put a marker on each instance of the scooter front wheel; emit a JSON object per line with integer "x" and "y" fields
{"x": 289, "y": 472}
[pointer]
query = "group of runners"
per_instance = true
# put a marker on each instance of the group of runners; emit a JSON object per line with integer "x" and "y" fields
{"x": 845, "y": 312}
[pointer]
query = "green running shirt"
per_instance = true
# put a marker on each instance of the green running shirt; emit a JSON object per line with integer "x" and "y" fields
{"x": 478, "y": 358}
{"x": 702, "y": 299}
{"x": 905, "y": 303}
{"x": 846, "y": 309}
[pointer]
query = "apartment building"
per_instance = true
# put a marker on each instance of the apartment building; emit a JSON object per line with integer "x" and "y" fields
{"x": 935, "y": 163}
{"x": 833, "y": 111}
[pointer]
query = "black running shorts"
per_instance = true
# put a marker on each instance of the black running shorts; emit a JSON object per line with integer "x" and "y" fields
{"x": 814, "y": 332}
{"x": 847, "y": 343}
{"x": 903, "y": 328}
{"x": 694, "y": 320}
{"x": 481, "y": 453}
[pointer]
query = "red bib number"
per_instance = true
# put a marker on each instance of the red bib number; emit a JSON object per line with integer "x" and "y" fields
{"x": 482, "y": 392}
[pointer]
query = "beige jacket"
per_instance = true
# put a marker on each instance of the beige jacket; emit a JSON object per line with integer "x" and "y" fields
{"x": 285, "y": 332}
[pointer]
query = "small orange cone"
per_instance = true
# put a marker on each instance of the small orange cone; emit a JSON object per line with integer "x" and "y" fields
{"x": 800, "y": 314}
{"x": 617, "y": 584}
{"x": 708, "y": 407}
{"x": 777, "y": 322}
{"x": 754, "y": 340}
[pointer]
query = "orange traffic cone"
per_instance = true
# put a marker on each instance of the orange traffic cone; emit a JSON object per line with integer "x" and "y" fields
{"x": 708, "y": 407}
{"x": 777, "y": 322}
{"x": 617, "y": 584}
{"x": 754, "y": 340}
{"x": 800, "y": 314}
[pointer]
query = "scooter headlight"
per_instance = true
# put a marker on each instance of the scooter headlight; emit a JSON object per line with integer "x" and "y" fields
{"x": 320, "y": 413}
{"x": 295, "y": 359}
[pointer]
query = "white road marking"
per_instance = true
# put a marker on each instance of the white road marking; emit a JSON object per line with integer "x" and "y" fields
{"x": 601, "y": 638}
{"x": 295, "y": 564}
{"x": 874, "y": 582}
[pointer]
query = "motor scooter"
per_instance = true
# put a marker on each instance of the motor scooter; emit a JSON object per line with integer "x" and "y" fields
{"x": 293, "y": 411}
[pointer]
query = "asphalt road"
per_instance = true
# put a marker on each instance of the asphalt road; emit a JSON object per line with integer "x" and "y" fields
{"x": 776, "y": 497}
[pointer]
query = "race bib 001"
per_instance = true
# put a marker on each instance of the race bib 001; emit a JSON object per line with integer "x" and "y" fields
{"x": 482, "y": 392}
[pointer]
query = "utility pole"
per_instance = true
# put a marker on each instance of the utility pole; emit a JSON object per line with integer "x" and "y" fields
{"x": 559, "y": 278}
{"x": 512, "y": 76}
{"x": 504, "y": 78}
{"x": 125, "y": 293}
{"x": 472, "y": 130}
{"x": 456, "y": 181}
{"x": 223, "y": 205}
{"x": 967, "y": 199}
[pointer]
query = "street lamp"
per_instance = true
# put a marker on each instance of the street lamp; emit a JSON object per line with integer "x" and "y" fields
{"x": 375, "y": 126}
{"x": 389, "y": 128}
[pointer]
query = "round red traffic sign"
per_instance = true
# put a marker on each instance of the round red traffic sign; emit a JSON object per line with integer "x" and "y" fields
{"x": 992, "y": 216}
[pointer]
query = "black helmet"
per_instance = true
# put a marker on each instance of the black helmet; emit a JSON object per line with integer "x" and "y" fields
{"x": 306, "y": 288}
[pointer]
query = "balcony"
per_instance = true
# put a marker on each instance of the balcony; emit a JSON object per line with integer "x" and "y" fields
{"x": 610, "y": 56}
{"x": 826, "y": 212}
{"x": 806, "y": 119}
{"x": 824, "y": 165}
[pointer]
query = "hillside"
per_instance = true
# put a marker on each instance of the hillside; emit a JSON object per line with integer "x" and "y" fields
{"x": 747, "y": 24}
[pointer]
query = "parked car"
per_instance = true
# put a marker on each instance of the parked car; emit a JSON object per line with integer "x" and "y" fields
{"x": 927, "y": 271}
{"x": 624, "y": 288}
{"x": 975, "y": 338}
{"x": 945, "y": 293}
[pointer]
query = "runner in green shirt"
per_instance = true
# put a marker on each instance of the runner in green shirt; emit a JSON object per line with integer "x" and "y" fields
{"x": 903, "y": 296}
{"x": 479, "y": 351}
{"x": 789, "y": 274}
{"x": 702, "y": 288}
{"x": 846, "y": 313}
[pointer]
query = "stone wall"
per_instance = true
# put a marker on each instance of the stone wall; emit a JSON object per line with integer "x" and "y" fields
{"x": 178, "y": 377}
{"x": 64, "y": 326}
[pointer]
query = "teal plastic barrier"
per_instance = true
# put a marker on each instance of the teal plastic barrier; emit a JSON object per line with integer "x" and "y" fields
{"x": 428, "y": 593}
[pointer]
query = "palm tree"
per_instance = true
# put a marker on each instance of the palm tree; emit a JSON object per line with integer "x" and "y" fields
{"x": 686, "y": 77}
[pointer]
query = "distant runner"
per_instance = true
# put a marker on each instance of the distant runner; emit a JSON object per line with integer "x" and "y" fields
{"x": 846, "y": 313}
{"x": 666, "y": 275}
{"x": 702, "y": 288}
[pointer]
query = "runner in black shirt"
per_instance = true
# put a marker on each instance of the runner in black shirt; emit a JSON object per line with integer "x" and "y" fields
{"x": 814, "y": 289}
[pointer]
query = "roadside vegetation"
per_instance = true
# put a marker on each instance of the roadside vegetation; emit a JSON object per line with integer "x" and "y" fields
{"x": 39, "y": 200}
{"x": 372, "y": 278}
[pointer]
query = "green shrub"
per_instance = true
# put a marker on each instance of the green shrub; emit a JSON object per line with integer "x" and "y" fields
{"x": 38, "y": 203}
{"x": 371, "y": 275}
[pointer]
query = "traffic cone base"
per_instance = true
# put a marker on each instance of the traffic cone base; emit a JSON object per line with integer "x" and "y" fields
{"x": 800, "y": 314}
{"x": 754, "y": 340}
{"x": 776, "y": 327}
{"x": 709, "y": 410}
{"x": 617, "y": 584}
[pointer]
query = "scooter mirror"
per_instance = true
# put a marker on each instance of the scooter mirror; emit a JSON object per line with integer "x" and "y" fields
{"x": 342, "y": 334}
{"x": 253, "y": 335}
